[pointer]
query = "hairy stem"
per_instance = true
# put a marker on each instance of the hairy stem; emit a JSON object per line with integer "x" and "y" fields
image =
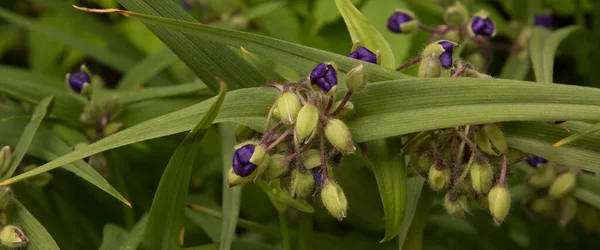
{"x": 343, "y": 103}
{"x": 409, "y": 63}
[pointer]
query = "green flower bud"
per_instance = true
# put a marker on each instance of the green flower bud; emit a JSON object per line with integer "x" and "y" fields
{"x": 542, "y": 206}
{"x": 452, "y": 35}
{"x": 289, "y": 106}
{"x": 334, "y": 199}
{"x": 588, "y": 217}
{"x": 499, "y": 203}
{"x": 243, "y": 132}
{"x": 563, "y": 185}
{"x": 482, "y": 201}
{"x": 263, "y": 166}
{"x": 312, "y": 159}
{"x": 484, "y": 143}
{"x": 439, "y": 179}
{"x": 308, "y": 119}
{"x": 456, "y": 14}
{"x": 347, "y": 110}
{"x": 5, "y": 159}
{"x": 6, "y": 195}
{"x": 542, "y": 176}
{"x": 339, "y": 136}
{"x": 356, "y": 79}
{"x": 39, "y": 180}
{"x": 235, "y": 180}
{"x": 112, "y": 128}
{"x": 12, "y": 237}
{"x": 424, "y": 162}
{"x": 456, "y": 206}
{"x": 302, "y": 184}
{"x": 112, "y": 104}
{"x": 568, "y": 209}
{"x": 276, "y": 113}
{"x": 476, "y": 60}
{"x": 481, "y": 177}
{"x": 91, "y": 114}
{"x": 239, "y": 22}
{"x": 496, "y": 137}
{"x": 430, "y": 66}
{"x": 277, "y": 166}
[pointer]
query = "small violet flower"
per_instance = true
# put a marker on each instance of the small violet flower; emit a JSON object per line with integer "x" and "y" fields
{"x": 543, "y": 20}
{"x": 241, "y": 160}
{"x": 482, "y": 25}
{"x": 187, "y": 5}
{"x": 317, "y": 175}
{"x": 77, "y": 80}
{"x": 534, "y": 161}
{"x": 324, "y": 77}
{"x": 364, "y": 54}
{"x": 446, "y": 56}
{"x": 402, "y": 22}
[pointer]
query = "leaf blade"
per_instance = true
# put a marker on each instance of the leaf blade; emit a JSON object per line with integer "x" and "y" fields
{"x": 231, "y": 196}
{"x": 578, "y": 135}
{"x": 38, "y": 237}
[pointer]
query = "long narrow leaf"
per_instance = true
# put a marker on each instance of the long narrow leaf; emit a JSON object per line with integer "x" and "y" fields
{"x": 166, "y": 214}
{"x": 147, "y": 68}
{"x": 28, "y": 133}
{"x": 231, "y": 196}
{"x": 37, "y": 235}
{"x": 415, "y": 186}
{"x": 578, "y": 135}
{"x": 543, "y": 49}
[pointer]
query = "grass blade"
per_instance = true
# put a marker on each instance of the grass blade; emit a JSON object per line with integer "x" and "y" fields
{"x": 578, "y": 135}
{"x": 147, "y": 68}
{"x": 166, "y": 214}
{"x": 588, "y": 197}
{"x": 231, "y": 196}
{"x": 38, "y": 237}
{"x": 128, "y": 97}
{"x": 543, "y": 47}
{"x": 28, "y": 133}
{"x": 415, "y": 186}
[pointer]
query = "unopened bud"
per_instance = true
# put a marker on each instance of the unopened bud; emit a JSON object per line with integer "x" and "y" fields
{"x": 302, "y": 184}
{"x": 568, "y": 209}
{"x": 456, "y": 206}
{"x": 243, "y": 132}
{"x": 456, "y": 14}
{"x": 496, "y": 137}
{"x": 289, "y": 106}
{"x": 339, "y": 136}
{"x": 347, "y": 110}
{"x": 234, "y": 180}
{"x": 5, "y": 159}
{"x": 542, "y": 176}
{"x": 12, "y": 237}
{"x": 499, "y": 203}
{"x": 542, "y": 206}
{"x": 425, "y": 161}
{"x": 481, "y": 177}
{"x": 112, "y": 104}
{"x": 6, "y": 195}
{"x": 112, "y": 128}
{"x": 312, "y": 159}
{"x": 239, "y": 22}
{"x": 452, "y": 35}
{"x": 476, "y": 60}
{"x": 247, "y": 157}
{"x": 563, "y": 185}
{"x": 334, "y": 199}
{"x": 39, "y": 180}
{"x": 588, "y": 217}
{"x": 356, "y": 78}
{"x": 430, "y": 67}
{"x": 308, "y": 119}
{"x": 277, "y": 166}
{"x": 439, "y": 179}
{"x": 91, "y": 114}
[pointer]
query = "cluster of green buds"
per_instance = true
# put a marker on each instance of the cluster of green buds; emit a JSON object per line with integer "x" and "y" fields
{"x": 11, "y": 236}
{"x": 96, "y": 119}
{"x": 306, "y": 136}
{"x": 467, "y": 163}
{"x": 554, "y": 185}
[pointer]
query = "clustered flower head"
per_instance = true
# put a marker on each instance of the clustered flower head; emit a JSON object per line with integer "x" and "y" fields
{"x": 306, "y": 136}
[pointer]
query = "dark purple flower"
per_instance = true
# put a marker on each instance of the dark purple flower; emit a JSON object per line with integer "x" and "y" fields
{"x": 187, "y": 5}
{"x": 446, "y": 56}
{"x": 317, "y": 175}
{"x": 543, "y": 20}
{"x": 483, "y": 26}
{"x": 324, "y": 76}
{"x": 401, "y": 21}
{"x": 534, "y": 161}
{"x": 77, "y": 80}
{"x": 241, "y": 160}
{"x": 364, "y": 54}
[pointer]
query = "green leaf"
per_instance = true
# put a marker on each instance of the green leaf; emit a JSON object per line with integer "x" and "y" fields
{"x": 588, "y": 197}
{"x": 415, "y": 186}
{"x": 426, "y": 104}
{"x": 117, "y": 61}
{"x": 28, "y": 133}
{"x": 281, "y": 199}
{"x": 360, "y": 29}
{"x": 166, "y": 214}
{"x": 207, "y": 59}
{"x": 578, "y": 135}
{"x": 515, "y": 68}
{"x": 300, "y": 58}
{"x": 47, "y": 146}
{"x": 414, "y": 238}
{"x": 38, "y": 237}
{"x": 389, "y": 169}
{"x": 266, "y": 68}
{"x": 231, "y": 196}
{"x": 543, "y": 47}
{"x": 112, "y": 237}
{"x": 589, "y": 182}
{"x": 128, "y": 97}
{"x": 537, "y": 138}
{"x": 263, "y": 9}
{"x": 147, "y": 68}
{"x": 135, "y": 236}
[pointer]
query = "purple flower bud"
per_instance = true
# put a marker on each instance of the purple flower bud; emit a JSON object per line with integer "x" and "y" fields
{"x": 324, "y": 76}
{"x": 77, "y": 80}
{"x": 534, "y": 161}
{"x": 401, "y": 21}
{"x": 446, "y": 56}
{"x": 187, "y": 5}
{"x": 364, "y": 54}
{"x": 543, "y": 20}
{"x": 317, "y": 175}
{"x": 241, "y": 160}
{"x": 483, "y": 26}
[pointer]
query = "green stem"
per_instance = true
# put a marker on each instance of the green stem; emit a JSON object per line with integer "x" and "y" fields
{"x": 306, "y": 227}
{"x": 285, "y": 234}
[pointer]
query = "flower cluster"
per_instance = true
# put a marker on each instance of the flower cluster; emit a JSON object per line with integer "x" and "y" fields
{"x": 306, "y": 136}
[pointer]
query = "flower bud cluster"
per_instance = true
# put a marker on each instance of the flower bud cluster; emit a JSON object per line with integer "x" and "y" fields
{"x": 306, "y": 135}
